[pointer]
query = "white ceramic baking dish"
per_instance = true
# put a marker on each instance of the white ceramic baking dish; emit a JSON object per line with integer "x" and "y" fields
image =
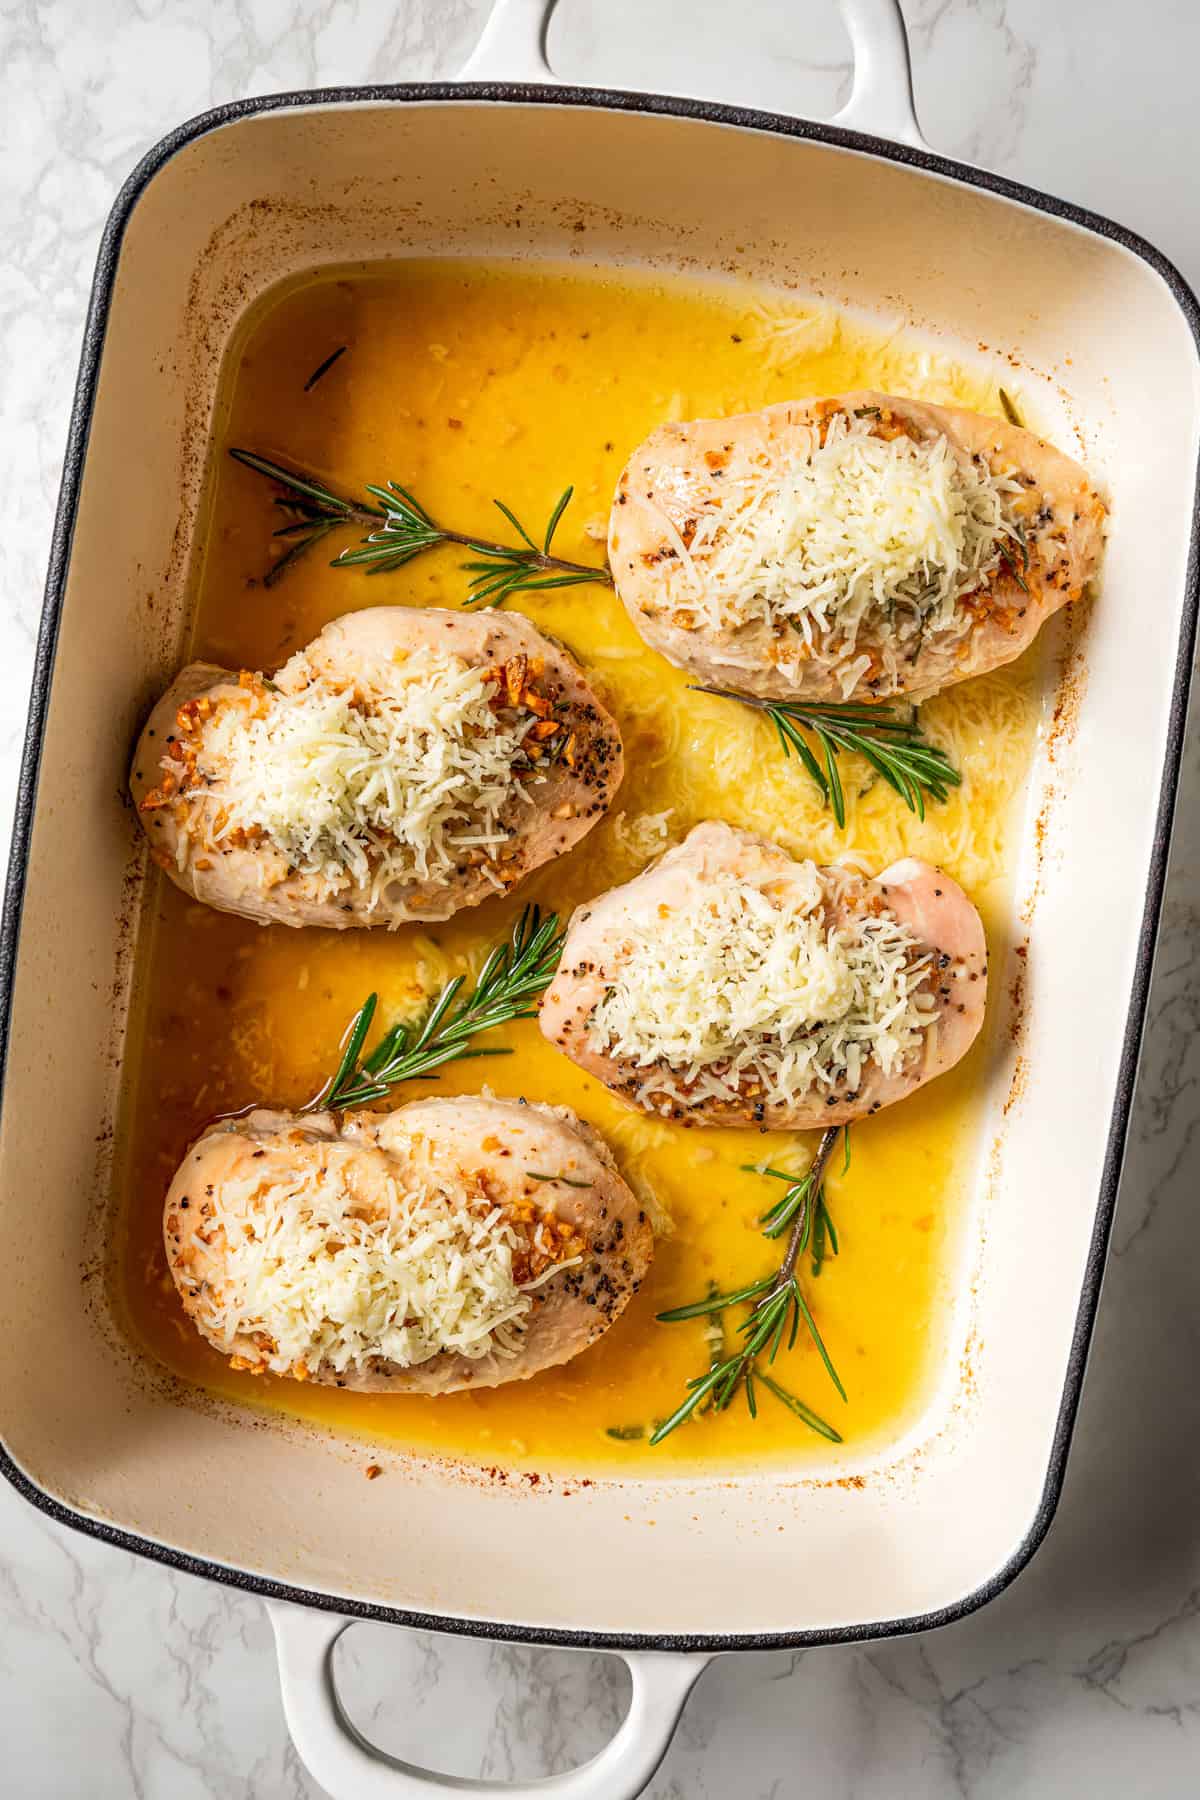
{"x": 668, "y": 1572}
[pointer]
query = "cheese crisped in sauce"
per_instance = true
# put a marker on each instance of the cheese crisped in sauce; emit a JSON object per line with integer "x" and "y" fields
{"x": 402, "y": 765}
{"x": 734, "y": 985}
{"x": 862, "y": 547}
{"x": 431, "y": 1248}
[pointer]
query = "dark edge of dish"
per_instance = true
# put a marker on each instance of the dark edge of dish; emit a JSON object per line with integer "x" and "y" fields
{"x": 10, "y": 919}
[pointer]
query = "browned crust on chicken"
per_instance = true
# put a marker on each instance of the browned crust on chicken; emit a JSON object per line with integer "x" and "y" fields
{"x": 1062, "y": 518}
{"x": 573, "y": 746}
{"x": 486, "y": 1147}
{"x": 928, "y": 902}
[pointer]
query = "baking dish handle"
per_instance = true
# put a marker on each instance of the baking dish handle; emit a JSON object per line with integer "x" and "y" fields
{"x": 513, "y": 48}
{"x": 340, "y": 1759}
{"x": 512, "y": 45}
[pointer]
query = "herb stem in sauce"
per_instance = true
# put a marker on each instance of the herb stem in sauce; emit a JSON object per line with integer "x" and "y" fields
{"x": 399, "y": 529}
{"x": 894, "y": 746}
{"x": 513, "y": 975}
{"x": 778, "y": 1308}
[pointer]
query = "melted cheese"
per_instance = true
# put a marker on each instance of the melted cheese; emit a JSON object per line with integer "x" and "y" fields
{"x": 736, "y": 984}
{"x": 320, "y": 1274}
{"x": 395, "y": 777}
{"x": 853, "y": 536}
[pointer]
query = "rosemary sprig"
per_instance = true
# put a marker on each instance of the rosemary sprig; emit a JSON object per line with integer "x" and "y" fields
{"x": 399, "y": 529}
{"x": 514, "y": 974}
{"x": 777, "y": 1310}
{"x": 894, "y": 746}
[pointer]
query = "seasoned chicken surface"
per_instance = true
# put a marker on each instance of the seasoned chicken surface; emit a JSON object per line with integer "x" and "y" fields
{"x": 404, "y": 765}
{"x": 729, "y": 984}
{"x": 450, "y": 1244}
{"x": 855, "y": 548}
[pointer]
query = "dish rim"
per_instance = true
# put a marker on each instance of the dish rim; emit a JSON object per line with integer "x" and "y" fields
{"x": 95, "y": 326}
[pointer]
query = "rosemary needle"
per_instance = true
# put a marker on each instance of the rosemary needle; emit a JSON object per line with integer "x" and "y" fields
{"x": 323, "y": 368}
{"x": 811, "y": 1419}
{"x": 893, "y": 745}
{"x": 1010, "y": 412}
{"x": 398, "y": 528}
{"x": 513, "y": 975}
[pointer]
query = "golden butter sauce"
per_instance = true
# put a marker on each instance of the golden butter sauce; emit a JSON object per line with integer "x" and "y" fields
{"x": 466, "y": 382}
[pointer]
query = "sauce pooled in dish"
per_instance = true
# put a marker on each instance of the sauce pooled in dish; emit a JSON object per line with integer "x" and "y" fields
{"x": 518, "y": 381}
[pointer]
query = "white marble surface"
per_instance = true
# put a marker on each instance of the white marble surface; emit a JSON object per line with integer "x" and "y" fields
{"x": 119, "y": 1679}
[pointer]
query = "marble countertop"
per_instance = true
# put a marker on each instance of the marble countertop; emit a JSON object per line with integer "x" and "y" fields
{"x": 120, "y": 1678}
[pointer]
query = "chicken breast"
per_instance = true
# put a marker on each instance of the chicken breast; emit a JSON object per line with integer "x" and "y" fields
{"x": 856, "y": 548}
{"x": 404, "y": 765}
{"x": 729, "y": 984}
{"x": 450, "y": 1244}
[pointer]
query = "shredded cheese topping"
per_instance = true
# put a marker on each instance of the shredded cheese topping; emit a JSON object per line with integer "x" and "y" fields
{"x": 856, "y": 536}
{"x": 396, "y": 776}
{"x": 331, "y": 1263}
{"x": 736, "y": 986}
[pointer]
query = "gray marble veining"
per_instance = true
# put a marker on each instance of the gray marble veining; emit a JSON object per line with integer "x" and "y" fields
{"x": 118, "y": 1678}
